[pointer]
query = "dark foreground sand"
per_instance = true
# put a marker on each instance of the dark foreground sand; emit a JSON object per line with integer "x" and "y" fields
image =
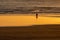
{"x": 37, "y": 32}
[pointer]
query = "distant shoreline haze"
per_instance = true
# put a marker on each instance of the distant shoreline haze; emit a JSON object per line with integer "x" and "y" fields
{"x": 27, "y": 6}
{"x": 31, "y": 10}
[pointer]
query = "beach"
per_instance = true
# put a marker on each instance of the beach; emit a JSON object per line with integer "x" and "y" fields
{"x": 34, "y": 32}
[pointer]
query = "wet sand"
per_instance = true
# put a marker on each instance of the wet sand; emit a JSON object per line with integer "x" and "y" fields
{"x": 35, "y": 32}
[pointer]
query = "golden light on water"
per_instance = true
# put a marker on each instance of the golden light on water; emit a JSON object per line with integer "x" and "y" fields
{"x": 25, "y": 20}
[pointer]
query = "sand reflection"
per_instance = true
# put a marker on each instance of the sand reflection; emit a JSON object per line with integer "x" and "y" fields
{"x": 27, "y": 19}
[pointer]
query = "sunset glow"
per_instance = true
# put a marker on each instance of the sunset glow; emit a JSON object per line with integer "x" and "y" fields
{"x": 25, "y": 20}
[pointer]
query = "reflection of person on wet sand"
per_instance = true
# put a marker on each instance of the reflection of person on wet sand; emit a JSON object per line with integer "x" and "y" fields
{"x": 36, "y": 15}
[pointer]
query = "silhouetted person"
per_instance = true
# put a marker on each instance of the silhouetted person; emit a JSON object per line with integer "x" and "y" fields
{"x": 36, "y": 15}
